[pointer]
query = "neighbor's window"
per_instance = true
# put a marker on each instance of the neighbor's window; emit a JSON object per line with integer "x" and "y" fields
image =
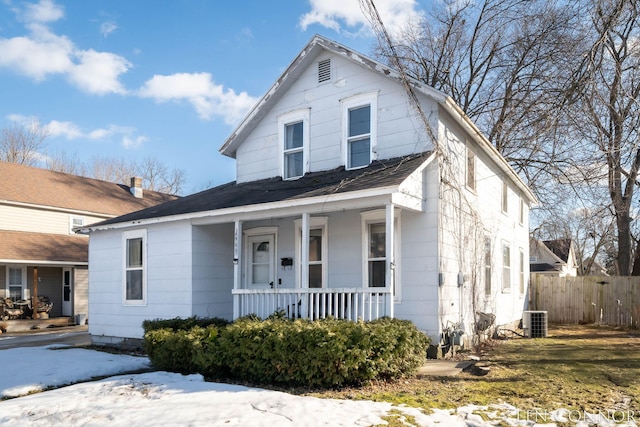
{"x": 471, "y": 170}
{"x": 75, "y": 221}
{"x": 294, "y": 136}
{"x": 360, "y": 119}
{"x": 134, "y": 290}
{"x": 522, "y": 209}
{"x": 506, "y": 268}
{"x": 16, "y": 282}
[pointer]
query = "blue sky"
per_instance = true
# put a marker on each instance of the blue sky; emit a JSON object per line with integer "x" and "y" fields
{"x": 168, "y": 79}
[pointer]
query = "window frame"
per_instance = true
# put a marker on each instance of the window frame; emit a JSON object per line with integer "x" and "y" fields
{"x": 379, "y": 217}
{"x": 470, "y": 169}
{"x": 506, "y": 267}
{"x": 23, "y": 279}
{"x": 369, "y": 99}
{"x": 504, "y": 204}
{"x": 72, "y": 219}
{"x": 126, "y": 237}
{"x": 521, "y": 212}
{"x": 287, "y": 119}
{"x": 488, "y": 264}
{"x": 315, "y": 223}
{"x": 522, "y": 277}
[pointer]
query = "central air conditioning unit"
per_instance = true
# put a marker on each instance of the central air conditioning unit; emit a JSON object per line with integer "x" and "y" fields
{"x": 535, "y": 324}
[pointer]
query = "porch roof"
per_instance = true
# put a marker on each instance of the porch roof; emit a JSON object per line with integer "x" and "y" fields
{"x": 20, "y": 246}
{"x": 380, "y": 173}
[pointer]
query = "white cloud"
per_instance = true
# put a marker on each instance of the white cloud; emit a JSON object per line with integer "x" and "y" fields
{"x": 69, "y": 130}
{"x": 42, "y": 53}
{"x": 338, "y": 14}
{"x": 199, "y": 89}
{"x": 45, "y": 11}
{"x": 107, "y": 28}
{"x": 133, "y": 143}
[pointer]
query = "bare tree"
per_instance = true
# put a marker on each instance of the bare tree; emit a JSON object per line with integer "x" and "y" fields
{"x": 606, "y": 112}
{"x": 157, "y": 176}
{"x": 65, "y": 163}
{"x": 22, "y": 143}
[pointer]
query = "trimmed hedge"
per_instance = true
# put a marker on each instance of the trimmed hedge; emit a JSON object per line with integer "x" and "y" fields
{"x": 322, "y": 353}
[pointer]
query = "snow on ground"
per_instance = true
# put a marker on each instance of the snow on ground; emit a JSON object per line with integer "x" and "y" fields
{"x": 163, "y": 398}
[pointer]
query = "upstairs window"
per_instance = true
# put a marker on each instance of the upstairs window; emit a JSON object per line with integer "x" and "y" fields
{"x": 359, "y": 114}
{"x": 75, "y": 221}
{"x": 471, "y": 170}
{"x": 294, "y": 137}
{"x": 293, "y": 155}
{"x": 505, "y": 197}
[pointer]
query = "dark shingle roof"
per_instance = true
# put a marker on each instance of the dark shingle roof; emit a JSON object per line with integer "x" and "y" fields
{"x": 559, "y": 247}
{"x": 537, "y": 268}
{"x": 380, "y": 173}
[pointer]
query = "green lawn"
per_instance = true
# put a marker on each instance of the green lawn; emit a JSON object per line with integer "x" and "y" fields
{"x": 581, "y": 368}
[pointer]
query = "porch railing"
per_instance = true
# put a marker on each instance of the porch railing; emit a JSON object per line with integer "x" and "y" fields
{"x": 343, "y": 303}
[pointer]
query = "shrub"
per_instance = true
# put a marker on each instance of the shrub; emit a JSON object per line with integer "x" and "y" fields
{"x": 322, "y": 353}
{"x": 178, "y": 323}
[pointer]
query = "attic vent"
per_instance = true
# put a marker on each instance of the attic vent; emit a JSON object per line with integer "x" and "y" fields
{"x": 324, "y": 70}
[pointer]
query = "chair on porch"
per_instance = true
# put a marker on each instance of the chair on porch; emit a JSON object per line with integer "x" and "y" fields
{"x": 9, "y": 309}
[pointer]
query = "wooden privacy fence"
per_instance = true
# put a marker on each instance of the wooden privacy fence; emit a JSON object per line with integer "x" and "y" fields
{"x": 588, "y": 299}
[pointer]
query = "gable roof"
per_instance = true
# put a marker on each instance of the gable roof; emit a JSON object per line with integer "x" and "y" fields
{"x": 379, "y": 174}
{"x": 34, "y": 186}
{"x": 560, "y": 248}
{"x": 307, "y": 56}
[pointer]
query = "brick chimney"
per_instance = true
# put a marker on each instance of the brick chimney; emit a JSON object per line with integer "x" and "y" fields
{"x": 136, "y": 187}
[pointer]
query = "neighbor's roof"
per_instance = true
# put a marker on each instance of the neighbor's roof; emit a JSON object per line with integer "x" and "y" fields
{"x": 311, "y": 51}
{"x": 35, "y": 186}
{"x": 380, "y": 173}
{"x": 24, "y": 246}
{"x": 560, "y": 248}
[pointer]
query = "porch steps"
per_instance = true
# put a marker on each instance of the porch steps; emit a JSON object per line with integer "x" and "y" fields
{"x": 24, "y": 325}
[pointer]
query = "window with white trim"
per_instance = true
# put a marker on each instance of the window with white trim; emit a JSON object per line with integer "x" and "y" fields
{"x": 505, "y": 197}
{"x": 135, "y": 255}
{"x": 471, "y": 170}
{"x": 375, "y": 251}
{"x": 293, "y": 129}
{"x": 487, "y": 267}
{"x": 522, "y": 210}
{"x": 359, "y": 115}
{"x": 318, "y": 251}
{"x": 75, "y": 221}
{"x": 16, "y": 281}
{"x": 506, "y": 268}
{"x": 522, "y": 276}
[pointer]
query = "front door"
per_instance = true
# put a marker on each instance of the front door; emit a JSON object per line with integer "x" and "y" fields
{"x": 67, "y": 309}
{"x": 261, "y": 261}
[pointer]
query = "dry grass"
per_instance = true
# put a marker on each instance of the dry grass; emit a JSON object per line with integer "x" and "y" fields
{"x": 585, "y": 368}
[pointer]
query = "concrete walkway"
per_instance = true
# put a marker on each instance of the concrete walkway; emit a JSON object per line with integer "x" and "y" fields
{"x": 443, "y": 368}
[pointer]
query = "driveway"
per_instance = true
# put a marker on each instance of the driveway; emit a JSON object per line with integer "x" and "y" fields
{"x": 72, "y": 335}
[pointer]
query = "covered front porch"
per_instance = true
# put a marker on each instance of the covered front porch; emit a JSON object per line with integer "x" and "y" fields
{"x": 274, "y": 273}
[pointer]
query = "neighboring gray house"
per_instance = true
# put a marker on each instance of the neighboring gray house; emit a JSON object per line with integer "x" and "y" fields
{"x": 553, "y": 257}
{"x": 344, "y": 205}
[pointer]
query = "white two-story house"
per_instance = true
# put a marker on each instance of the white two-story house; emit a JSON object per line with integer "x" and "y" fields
{"x": 350, "y": 201}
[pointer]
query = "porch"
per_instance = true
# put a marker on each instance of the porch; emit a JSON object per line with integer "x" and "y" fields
{"x": 315, "y": 303}
{"x": 25, "y": 325}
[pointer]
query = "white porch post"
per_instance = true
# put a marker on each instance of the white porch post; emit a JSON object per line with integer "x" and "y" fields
{"x": 304, "y": 255}
{"x": 237, "y": 277}
{"x": 390, "y": 255}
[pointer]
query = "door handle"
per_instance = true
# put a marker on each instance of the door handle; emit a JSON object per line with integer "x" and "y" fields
{"x": 271, "y": 284}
